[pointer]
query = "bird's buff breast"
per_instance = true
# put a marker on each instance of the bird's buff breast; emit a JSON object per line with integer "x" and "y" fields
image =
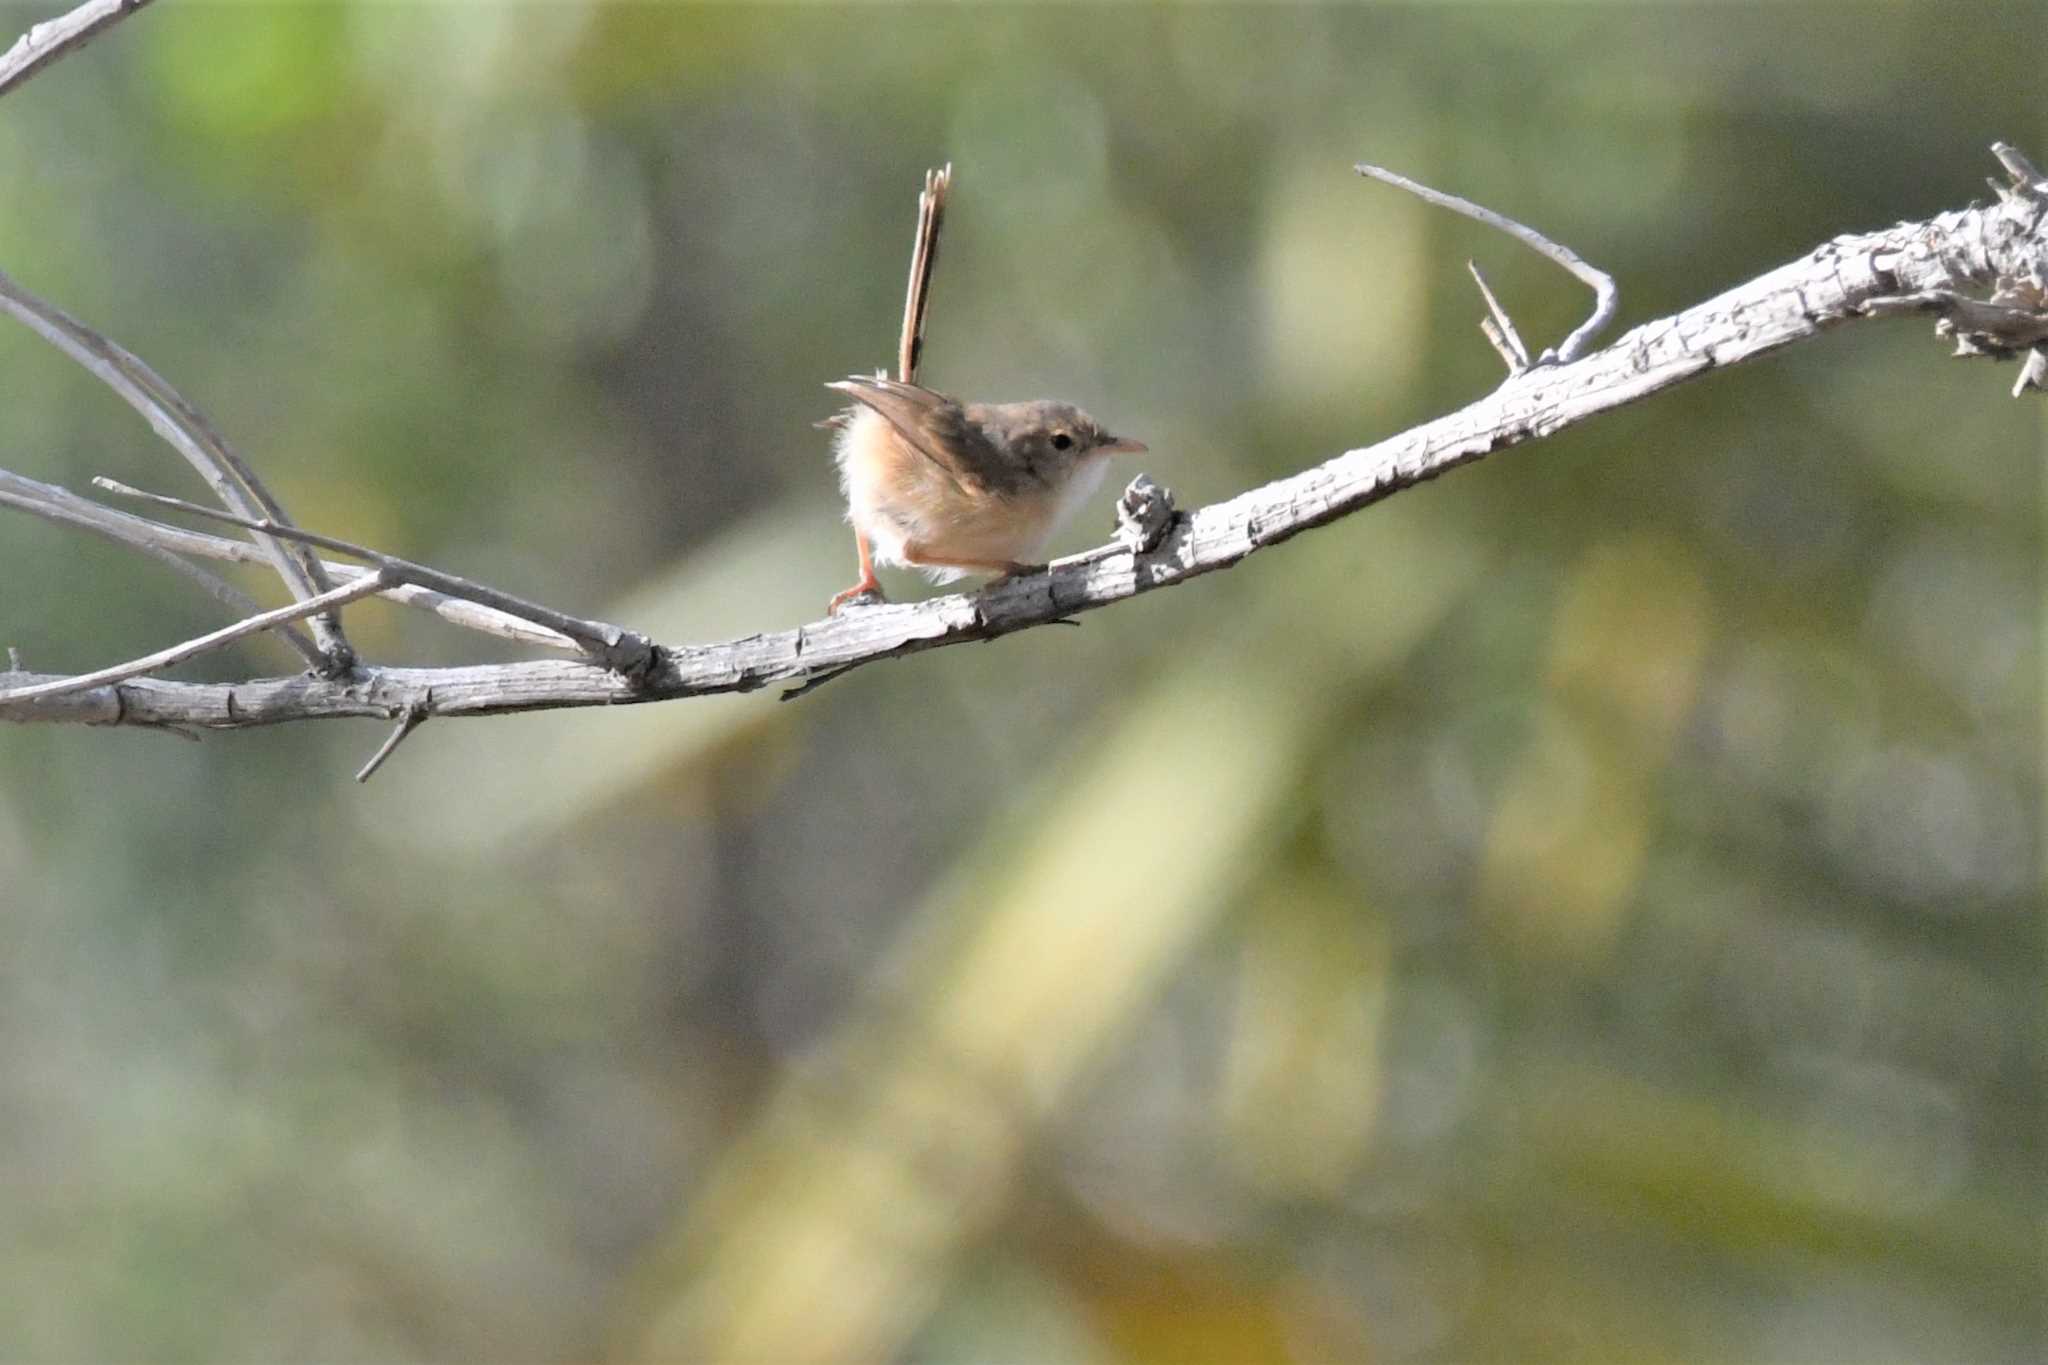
{"x": 896, "y": 496}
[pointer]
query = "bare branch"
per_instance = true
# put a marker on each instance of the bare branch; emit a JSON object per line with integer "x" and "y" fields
{"x": 818, "y": 680}
{"x": 54, "y": 38}
{"x": 1599, "y": 281}
{"x": 66, "y": 514}
{"x": 1993, "y": 251}
{"x": 2033, "y": 373}
{"x": 157, "y": 540}
{"x": 1499, "y": 327}
{"x": 164, "y": 658}
{"x": 189, "y": 433}
{"x": 618, "y": 648}
{"x": 412, "y": 720}
{"x": 2026, "y": 176}
{"x": 166, "y": 410}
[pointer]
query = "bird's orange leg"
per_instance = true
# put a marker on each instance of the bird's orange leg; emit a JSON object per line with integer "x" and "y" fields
{"x": 869, "y": 585}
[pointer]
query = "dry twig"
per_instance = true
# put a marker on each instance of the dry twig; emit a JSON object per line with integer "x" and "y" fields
{"x": 188, "y": 432}
{"x": 627, "y": 652}
{"x": 1605, "y": 297}
{"x": 1499, "y": 327}
{"x": 412, "y": 720}
{"x": 46, "y": 42}
{"x": 164, "y": 658}
{"x": 168, "y": 544}
{"x": 66, "y": 514}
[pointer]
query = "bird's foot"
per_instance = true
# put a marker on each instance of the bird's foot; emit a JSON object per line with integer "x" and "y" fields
{"x": 867, "y": 592}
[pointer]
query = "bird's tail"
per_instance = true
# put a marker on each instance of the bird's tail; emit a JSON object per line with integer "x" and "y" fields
{"x": 931, "y": 212}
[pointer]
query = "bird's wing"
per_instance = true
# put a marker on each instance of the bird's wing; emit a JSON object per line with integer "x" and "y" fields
{"x": 932, "y": 424}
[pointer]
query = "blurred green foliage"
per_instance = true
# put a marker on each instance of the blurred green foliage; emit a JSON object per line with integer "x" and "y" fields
{"x": 1587, "y": 908}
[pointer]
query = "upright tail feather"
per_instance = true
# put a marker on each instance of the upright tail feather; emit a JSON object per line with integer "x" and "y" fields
{"x": 931, "y": 212}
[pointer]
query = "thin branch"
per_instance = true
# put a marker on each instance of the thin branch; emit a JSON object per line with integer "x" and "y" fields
{"x": 1982, "y": 250}
{"x": 167, "y": 411}
{"x": 164, "y": 658}
{"x": 413, "y": 718}
{"x": 818, "y": 680}
{"x": 1599, "y": 281}
{"x": 215, "y": 586}
{"x": 2026, "y": 176}
{"x": 187, "y": 432}
{"x": 1499, "y": 327}
{"x": 1982, "y": 327}
{"x": 52, "y": 39}
{"x": 626, "y": 651}
{"x": 2033, "y": 374}
{"x": 156, "y": 539}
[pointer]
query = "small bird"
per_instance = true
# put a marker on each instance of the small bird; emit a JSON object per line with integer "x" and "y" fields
{"x": 955, "y": 488}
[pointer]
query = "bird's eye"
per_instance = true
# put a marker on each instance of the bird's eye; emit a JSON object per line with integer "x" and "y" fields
{"x": 1062, "y": 441}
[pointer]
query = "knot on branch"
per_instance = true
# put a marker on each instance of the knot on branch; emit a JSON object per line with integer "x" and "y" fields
{"x": 339, "y": 658}
{"x": 1144, "y": 514}
{"x": 628, "y": 653}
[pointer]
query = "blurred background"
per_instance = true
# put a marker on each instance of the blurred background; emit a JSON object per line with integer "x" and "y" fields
{"x": 1586, "y": 908}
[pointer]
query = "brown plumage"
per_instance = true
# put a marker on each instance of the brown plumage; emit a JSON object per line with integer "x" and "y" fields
{"x": 947, "y": 487}
{"x": 951, "y": 489}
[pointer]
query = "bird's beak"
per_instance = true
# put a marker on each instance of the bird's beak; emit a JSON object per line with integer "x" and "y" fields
{"x": 1121, "y": 445}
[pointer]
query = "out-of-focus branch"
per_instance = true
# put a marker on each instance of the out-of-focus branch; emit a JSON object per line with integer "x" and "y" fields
{"x": 1951, "y": 265}
{"x": 188, "y": 432}
{"x": 168, "y": 412}
{"x": 617, "y": 648}
{"x": 178, "y": 653}
{"x": 168, "y": 543}
{"x": 54, "y": 38}
{"x": 1605, "y": 297}
{"x": 71, "y": 510}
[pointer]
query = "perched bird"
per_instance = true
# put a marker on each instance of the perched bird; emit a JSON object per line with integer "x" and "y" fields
{"x": 955, "y": 488}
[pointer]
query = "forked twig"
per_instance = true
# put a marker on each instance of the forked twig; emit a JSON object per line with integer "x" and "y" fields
{"x": 188, "y": 432}
{"x": 43, "y": 45}
{"x": 1605, "y": 298}
{"x": 171, "y": 543}
{"x": 178, "y": 653}
{"x": 216, "y": 587}
{"x": 1499, "y": 327}
{"x": 619, "y": 649}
